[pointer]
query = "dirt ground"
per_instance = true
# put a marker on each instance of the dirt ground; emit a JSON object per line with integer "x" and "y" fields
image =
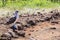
{"x": 46, "y": 29}
{"x": 42, "y": 31}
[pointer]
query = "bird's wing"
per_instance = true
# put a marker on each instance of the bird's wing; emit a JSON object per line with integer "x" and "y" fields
{"x": 11, "y": 20}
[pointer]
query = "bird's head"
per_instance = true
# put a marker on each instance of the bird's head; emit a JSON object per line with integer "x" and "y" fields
{"x": 16, "y": 14}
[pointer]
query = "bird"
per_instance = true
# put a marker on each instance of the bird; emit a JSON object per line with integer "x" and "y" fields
{"x": 14, "y": 27}
{"x": 13, "y": 19}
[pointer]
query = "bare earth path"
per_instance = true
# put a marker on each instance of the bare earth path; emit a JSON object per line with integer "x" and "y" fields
{"x": 42, "y": 31}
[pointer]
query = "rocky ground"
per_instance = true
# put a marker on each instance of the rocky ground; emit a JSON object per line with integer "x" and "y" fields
{"x": 40, "y": 26}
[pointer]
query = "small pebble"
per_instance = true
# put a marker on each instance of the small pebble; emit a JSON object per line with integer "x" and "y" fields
{"x": 53, "y": 28}
{"x": 29, "y": 34}
{"x": 31, "y": 30}
{"x": 36, "y": 30}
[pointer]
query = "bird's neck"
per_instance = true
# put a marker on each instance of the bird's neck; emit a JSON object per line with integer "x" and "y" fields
{"x": 17, "y": 16}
